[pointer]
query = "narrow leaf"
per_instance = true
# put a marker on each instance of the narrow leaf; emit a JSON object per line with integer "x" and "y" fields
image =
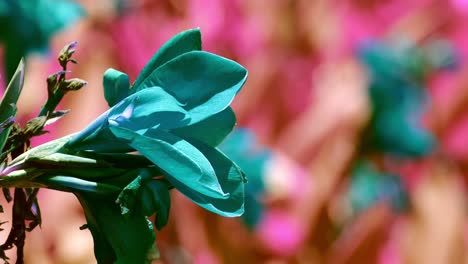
{"x": 8, "y": 103}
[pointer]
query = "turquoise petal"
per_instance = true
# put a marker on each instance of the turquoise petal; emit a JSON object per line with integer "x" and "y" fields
{"x": 179, "y": 44}
{"x": 116, "y": 86}
{"x": 184, "y": 166}
{"x": 149, "y": 108}
{"x": 146, "y": 109}
{"x": 212, "y": 130}
{"x": 203, "y": 82}
{"x": 231, "y": 179}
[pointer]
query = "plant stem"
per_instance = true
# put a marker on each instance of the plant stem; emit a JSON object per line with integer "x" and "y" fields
{"x": 52, "y": 103}
{"x": 22, "y": 202}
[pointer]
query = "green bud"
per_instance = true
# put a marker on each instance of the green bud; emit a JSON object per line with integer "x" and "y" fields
{"x": 73, "y": 84}
{"x": 34, "y": 126}
{"x": 66, "y": 54}
{"x": 53, "y": 80}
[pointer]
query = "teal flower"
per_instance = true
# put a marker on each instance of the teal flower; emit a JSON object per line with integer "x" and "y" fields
{"x": 397, "y": 75}
{"x": 174, "y": 116}
{"x": 242, "y": 147}
{"x": 28, "y": 26}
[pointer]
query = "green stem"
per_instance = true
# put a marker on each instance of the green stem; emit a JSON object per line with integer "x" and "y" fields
{"x": 52, "y": 102}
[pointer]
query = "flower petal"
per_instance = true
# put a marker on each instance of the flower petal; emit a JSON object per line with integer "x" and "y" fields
{"x": 203, "y": 82}
{"x": 231, "y": 179}
{"x": 212, "y": 130}
{"x": 179, "y": 44}
{"x": 146, "y": 109}
{"x": 116, "y": 86}
{"x": 149, "y": 108}
{"x": 184, "y": 166}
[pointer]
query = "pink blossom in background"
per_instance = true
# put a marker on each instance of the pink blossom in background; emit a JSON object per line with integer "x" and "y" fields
{"x": 456, "y": 141}
{"x": 461, "y": 6}
{"x": 281, "y": 233}
{"x": 205, "y": 257}
{"x": 284, "y": 52}
{"x": 285, "y": 179}
{"x": 374, "y": 20}
{"x": 390, "y": 252}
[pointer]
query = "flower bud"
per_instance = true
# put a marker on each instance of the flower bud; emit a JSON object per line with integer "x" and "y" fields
{"x": 66, "y": 53}
{"x": 73, "y": 84}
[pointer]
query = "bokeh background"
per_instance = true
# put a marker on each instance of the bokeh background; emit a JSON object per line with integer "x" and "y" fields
{"x": 353, "y": 127}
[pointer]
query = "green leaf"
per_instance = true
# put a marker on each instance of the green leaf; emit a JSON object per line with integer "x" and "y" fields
{"x": 42, "y": 151}
{"x": 147, "y": 196}
{"x": 116, "y": 86}
{"x": 204, "y": 83}
{"x": 179, "y": 44}
{"x": 155, "y": 198}
{"x": 8, "y": 104}
{"x": 128, "y": 197}
{"x": 184, "y": 165}
{"x": 212, "y": 130}
{"x": 7, "y": 123}
{"x": 117, "y": 238}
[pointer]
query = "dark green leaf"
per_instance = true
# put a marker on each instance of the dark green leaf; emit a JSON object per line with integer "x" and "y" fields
{"x": 8, "y": 104}
{"x": 155, "y": 198}
{"x": 117, "y": 238}
{"x": 147, "y": 196}
{"x": 6, "y": 124}
{"x": 128, "y": 197}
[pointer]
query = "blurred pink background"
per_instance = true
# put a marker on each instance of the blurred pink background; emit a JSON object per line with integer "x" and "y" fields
{"x": 305, "y": 98}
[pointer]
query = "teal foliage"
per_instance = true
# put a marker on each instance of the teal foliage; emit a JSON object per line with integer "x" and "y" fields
{"x": 28, "y": 25}
{"x": 173, "y": 117}
{"x": 9, "y": 100}
{"x": 368, "y": 186}
{"x": 397, "y": 75}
